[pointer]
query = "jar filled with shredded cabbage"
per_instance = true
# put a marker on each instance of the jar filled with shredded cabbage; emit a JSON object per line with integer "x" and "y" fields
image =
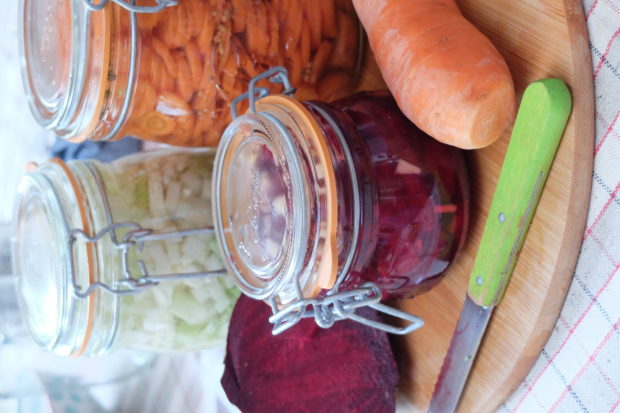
{"x": 119, "y": 255}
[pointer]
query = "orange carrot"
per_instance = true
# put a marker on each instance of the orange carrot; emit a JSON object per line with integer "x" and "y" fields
{"x": 312, "y": 11}
{"x": 346, "y": 43}
{"x": 292, "y": 27}
{"x": 163, "y": 51}
{"x": 147, "y": 100}
{"x": 319, "y": 61}
{"x": 328, "y": 18}
{"x": 257, "y": 36}
{"x": 205, "y": 38}
{"x": 172, "y": 28}
{"x": 446, "y": 76}
{"x": 160, "y": 78}
{"x": 184, "y": 76}
{"x": 195, "y": 64}
{"x": 158, "y": 124}
{"x": 334, "y": 85}
{"x": 240, "y": 10}
{"x": 294, "y": 64}
{"x": 304, "y": 43}
{"x": 196, "y": 10}
{"x": 274, "y": 33}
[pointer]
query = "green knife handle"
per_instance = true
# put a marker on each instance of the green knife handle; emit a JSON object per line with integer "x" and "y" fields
{"x": 538, "y": 128}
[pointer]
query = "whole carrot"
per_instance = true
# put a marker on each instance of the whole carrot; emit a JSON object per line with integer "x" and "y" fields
{"x": 447, "y": 77}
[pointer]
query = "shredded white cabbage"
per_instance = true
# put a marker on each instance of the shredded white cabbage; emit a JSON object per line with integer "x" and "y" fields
{"x": 171, "y": 191}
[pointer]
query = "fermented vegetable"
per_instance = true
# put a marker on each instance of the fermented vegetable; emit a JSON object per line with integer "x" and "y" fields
{"x": 167, "y": 194}
{"x": 197, "y": 56}
{"x": 447, "y": 77}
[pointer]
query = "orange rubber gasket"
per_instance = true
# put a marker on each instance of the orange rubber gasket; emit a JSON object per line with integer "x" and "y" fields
{"x": 328, "y": 268}
{"x": 89, "y": 252}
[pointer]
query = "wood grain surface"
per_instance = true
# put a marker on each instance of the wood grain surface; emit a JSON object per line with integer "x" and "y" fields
{"x": 538, "y": 38}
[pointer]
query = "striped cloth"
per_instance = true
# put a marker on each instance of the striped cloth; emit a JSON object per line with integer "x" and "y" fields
{"x": 579, "y": 368}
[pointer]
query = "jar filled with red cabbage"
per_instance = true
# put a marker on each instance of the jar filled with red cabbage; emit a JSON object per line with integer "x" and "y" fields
{"x": 322, "y": 208}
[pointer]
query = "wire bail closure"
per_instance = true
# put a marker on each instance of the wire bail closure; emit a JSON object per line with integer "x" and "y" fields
{"x": 136, "y": 237}
{"x": 130, "y": 5}
{"x": 277, "y": 75}
{"x": 334, "y": 305}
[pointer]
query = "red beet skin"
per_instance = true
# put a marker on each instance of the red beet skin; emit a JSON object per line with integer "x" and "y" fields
{"x": 346, "y": 368}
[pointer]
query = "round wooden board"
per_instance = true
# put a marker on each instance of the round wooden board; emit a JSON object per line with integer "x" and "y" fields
{"x": 538, "y": 38}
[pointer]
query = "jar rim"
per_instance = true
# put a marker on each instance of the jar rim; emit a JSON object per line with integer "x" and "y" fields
{"x": 45, "y": 289}
{"x": 59, "y": 67}
{"x": 310, "y": 261}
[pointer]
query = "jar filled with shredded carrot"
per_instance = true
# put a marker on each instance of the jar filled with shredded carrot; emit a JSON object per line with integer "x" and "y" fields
{"x": 167, "y": 70}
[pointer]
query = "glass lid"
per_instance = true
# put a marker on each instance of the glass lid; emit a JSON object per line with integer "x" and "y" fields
{"x": 39, "y": 259}
{"x": 56, "y": 39}
{"x": 259, "y": 205}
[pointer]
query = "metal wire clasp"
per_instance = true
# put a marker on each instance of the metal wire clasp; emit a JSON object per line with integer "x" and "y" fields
{"x": 276, "y": 75}
{"x": 135, "y": 237}
{"x": 339, "y": 306}
{"x": 130, "y": 5}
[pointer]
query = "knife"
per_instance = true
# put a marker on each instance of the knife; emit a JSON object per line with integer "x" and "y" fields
{"x": 536, "y": 134}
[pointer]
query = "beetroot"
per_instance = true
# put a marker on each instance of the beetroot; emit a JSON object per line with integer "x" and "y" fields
{"x": 346, "y": 368}
{"x": 413, "y": 191}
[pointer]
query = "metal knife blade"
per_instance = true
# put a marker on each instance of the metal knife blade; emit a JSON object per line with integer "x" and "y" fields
{"x": 538, "y": 128}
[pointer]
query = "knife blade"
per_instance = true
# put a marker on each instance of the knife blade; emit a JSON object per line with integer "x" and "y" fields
{"x": 540, "y": 123}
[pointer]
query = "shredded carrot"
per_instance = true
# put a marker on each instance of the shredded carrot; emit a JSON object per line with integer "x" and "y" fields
{"x": 197, "y": 56}
{"x": 345, "y": 44}
{"x": 163, "y": 51}
{"x": 295, "y": 67}
{"x": 184, "y": 76}
{"x": 274, "y": 33}
{"x": 320, "y": 60}
{"x": 204, "y": 98}
{"x": 293, "y": 23}
{"x": 304, "y": 43}
{"x": 205, "y": 38}
{"x": 147, "y": 101}
{"x": 312, "y": 13}
{"x": 256, "y": 34}
{"x": 196, "y": 16}
{"x": 147, "y": 21}
{"x": 334, "y": 85}
{"x": 240, "y": 10}
{"x": 169, "y": 28}
{"x": 328, "y": 18}
{"x": 185, "y": 128}
{"x": 229, "y": 74}
{"x": 193, "y": 57}
{"x": 182, "y": 24}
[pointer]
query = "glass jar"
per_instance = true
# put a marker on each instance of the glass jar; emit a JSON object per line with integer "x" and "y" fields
{"x": 120, "y": 255}
{"x": 101, "y": 72}
{"x": 314, "y": 201}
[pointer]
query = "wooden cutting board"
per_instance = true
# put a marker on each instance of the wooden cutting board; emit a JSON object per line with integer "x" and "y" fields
{"x": 538, "y": 38}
